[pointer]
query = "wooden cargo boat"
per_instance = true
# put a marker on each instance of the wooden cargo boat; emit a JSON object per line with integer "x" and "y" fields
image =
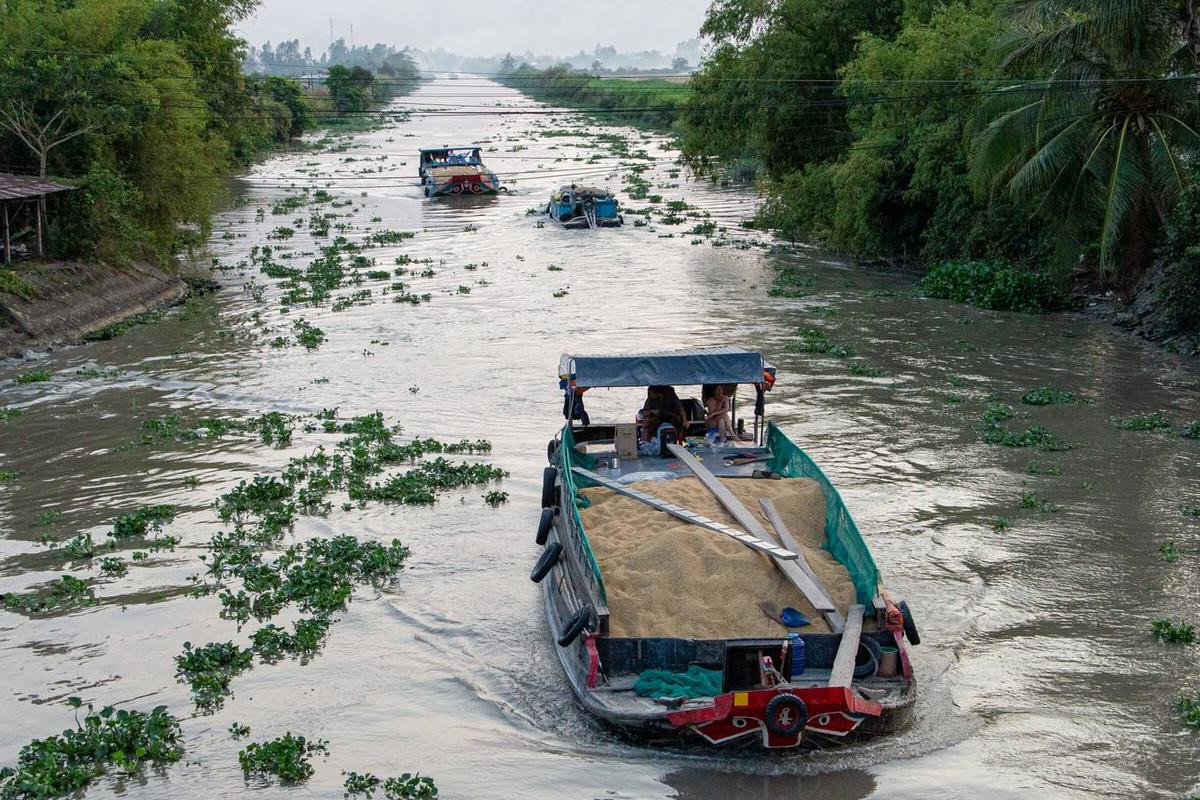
{"x": 455, "y": 171}
{"x": 658, "y": 573}
{"x": 584, "y": 207}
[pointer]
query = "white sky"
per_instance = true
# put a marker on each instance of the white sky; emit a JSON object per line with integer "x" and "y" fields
{"x": 482, "y": 27}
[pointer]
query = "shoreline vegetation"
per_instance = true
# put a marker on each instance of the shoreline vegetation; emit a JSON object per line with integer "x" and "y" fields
{"x": 147, "y": 121}
{"x": 910, "y": 134}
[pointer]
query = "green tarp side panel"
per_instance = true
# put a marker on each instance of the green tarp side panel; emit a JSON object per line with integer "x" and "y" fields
{"x": 842, "y": 538}
{"x": 696, "y": 682}
{"x": 567, "y": 476}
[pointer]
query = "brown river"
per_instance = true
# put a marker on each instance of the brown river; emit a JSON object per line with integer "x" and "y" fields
{"x": 1038, "y": 675}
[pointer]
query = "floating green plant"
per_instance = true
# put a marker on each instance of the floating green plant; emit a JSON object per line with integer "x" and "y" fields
{"x": 1037, "y": 468}
{"x": 1145, "y": 422}
{"x": 110, "y": 738}
{"x": 66, "y": 592}
{"x": 1192, "y": 431}
{"x": 142, "y": 521}
{"x": 1189, "y": 709}
{"x": 1001, "y": 524}
{"x": 9, "y": 475}
{"x": 791, "y": 283}
{"x": 1168, "y": 552}
{"x": 310, "y": 336}
{"x": 495, "y": 498}
{"x": 237, "y": 730}
{"x": 210, "y": 668}
{"x": 1048, "y": 396}
{"x": 863, "y": 369}
{"x": 1164, "y": 630}
{"x": 1190, "y": 511}
{"x": 35, "y": 376}
{"x": 7, "y": 413}
{"x": 1033, "y": 502}
{"x": 286, "y": 758}
{"x": 113, "y": 566}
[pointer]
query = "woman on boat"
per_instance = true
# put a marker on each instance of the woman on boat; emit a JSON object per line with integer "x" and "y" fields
{"x": 717, "y": 408}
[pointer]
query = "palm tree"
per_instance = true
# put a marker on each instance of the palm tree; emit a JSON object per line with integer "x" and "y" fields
{"x": 1104, "y": 143}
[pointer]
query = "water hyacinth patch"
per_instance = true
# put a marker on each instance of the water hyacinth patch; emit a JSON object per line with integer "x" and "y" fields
{"x": 111, "y": 738}
{"x": 210, "y": 668}
{"x": 65, "y": 593}
{"x": 35, "y": 376}
{"x": 286, "y": 758}
{"x": 1192, "y": 431}
{"x": 1164, "y": 630}
{"x": 1049, "y": 396}
{"x": 1145, "y": 422}
{"x": 1168, "y": 552}
{"x": 1189, "y": 709}
{"x": 1190, "y": 511}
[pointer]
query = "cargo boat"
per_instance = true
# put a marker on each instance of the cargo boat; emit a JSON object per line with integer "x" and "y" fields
{"x": 584, "y": 207}
{"x": 720, "y": 595}
{"x": 451, "y": 171}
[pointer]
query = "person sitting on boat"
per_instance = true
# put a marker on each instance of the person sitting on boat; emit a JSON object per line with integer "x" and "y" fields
{"x": 662, "y": 408}
{"x": 717, "y": 413}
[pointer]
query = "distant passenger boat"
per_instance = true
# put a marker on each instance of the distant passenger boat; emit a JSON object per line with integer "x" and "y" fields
{"x": 584, "y": 207}
{"x": 455, "y": 171}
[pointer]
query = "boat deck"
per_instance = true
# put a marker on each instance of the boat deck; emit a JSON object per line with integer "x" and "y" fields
{"x": 714, "y": 459}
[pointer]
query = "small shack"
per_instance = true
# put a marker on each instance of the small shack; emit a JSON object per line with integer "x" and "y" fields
{"x": 24, "y": 193}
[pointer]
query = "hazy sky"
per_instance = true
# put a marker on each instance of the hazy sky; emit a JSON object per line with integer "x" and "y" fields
{"x": 482, "y": 27}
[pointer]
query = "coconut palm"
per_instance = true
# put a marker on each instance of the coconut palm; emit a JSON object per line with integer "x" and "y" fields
{"x": 1107, "y": 140}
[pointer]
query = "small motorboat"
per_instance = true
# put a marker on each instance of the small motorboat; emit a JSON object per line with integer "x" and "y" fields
{"x": 715, "y": 593}
{"x": 455, "y": 171}
{"x": 584, "y": 207}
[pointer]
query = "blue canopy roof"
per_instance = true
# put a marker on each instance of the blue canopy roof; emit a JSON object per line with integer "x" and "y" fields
{"x": 665, "y": 367}
{"x": 446, "y": 147}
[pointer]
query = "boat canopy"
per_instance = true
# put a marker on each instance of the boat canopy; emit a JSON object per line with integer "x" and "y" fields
{"x": 664, "y": 368}
{"x": 450, "y": 148}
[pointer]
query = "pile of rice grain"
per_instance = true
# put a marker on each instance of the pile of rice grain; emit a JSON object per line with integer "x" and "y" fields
{"x": 666, "y": 577}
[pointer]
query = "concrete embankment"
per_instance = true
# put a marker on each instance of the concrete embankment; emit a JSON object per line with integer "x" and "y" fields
{"x": 67, "y": 301}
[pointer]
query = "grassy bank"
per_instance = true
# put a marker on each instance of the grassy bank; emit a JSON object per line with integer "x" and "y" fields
{"x": 651, "y": 102}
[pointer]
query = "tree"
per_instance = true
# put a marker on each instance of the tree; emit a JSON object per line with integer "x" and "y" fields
{"x": 679, "y": 64}
{"x": 1105, "y": 141}
{"x": 508, "y": 64}
{"x": 350, "y": 88}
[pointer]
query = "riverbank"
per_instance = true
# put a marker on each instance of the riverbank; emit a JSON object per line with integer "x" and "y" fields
{"x": 64, "y": 302}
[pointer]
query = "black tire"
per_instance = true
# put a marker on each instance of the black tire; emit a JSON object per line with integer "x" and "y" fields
{"x": 775, "y": 707}
{"x": 549, "y": 490}
{"x": 544, "y": 524}
{"x": 546, "y": 563}
{"x": 575, "y": 626}
{"x": 910, "y": 626}
{"x": 551, "y": 450}
{"x": 866, "y": 660}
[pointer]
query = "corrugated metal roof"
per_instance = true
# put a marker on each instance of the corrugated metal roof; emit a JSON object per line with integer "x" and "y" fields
{"x": 23, "y": 187}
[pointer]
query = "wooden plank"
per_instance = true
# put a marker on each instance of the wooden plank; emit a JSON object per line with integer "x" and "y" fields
{"x": 753, "y": 542}
{"x": 820, "y": 601}
{"x": 843, "y": 663}
{"x": 835, "y": 620}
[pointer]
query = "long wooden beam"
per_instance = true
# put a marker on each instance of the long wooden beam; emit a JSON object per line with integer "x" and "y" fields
{"x": 658, "y": 503}
{"x": 820, "y": 601}
{"x": 842, "y": 673}
{"x": 834, "y": 618}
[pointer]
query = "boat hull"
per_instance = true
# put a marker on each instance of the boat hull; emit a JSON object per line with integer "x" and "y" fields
{"x": 601, "y": 670}
{"x": 480, "y": 183}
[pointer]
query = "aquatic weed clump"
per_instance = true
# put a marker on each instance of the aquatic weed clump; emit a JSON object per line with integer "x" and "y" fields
{"x": 405, "y": 787}
{"x": 1189, "y": 709}
{"x": 68, "y": 762}
{"x": 993, "y": 285}
{"x": 1192, "y": 430}
{"x": 65, "y": 593}
{"x": 210, "y": 668}
{"x": 140, "y": 522}
{"x": 1049, "y": 396}
{"x": 286, "y": 758}
{"x": 1164, "y": 630}
{"x": 995, "y": 431}
{"x": 1145, "y": 422}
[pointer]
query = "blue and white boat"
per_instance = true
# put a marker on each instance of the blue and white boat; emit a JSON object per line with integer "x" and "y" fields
{"x": 577, "y": 206}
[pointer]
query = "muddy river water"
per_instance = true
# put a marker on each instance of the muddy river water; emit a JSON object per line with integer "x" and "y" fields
{"x": 1038, "y": 675}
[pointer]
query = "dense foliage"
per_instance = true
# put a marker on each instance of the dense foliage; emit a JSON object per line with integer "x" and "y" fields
{"x": 1056, "y": 135}
{"x": 144, "y": 105}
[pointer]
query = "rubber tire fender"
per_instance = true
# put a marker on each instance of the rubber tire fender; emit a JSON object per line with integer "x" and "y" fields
{"x": 575, "y": 625}
{"x": 910, "y": 625}
{"x": 551, "y": 450}
{"x": 546, "y": 562}
{"x": 871, "y": 665}
{"x": 544, "y": 524}
{"x": 549, "y": 494}
{"x": 773, "y": 706}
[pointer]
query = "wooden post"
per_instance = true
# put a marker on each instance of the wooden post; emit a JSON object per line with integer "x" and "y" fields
{"x": 7, "y": 242}
{"x": 38, "y": 214}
